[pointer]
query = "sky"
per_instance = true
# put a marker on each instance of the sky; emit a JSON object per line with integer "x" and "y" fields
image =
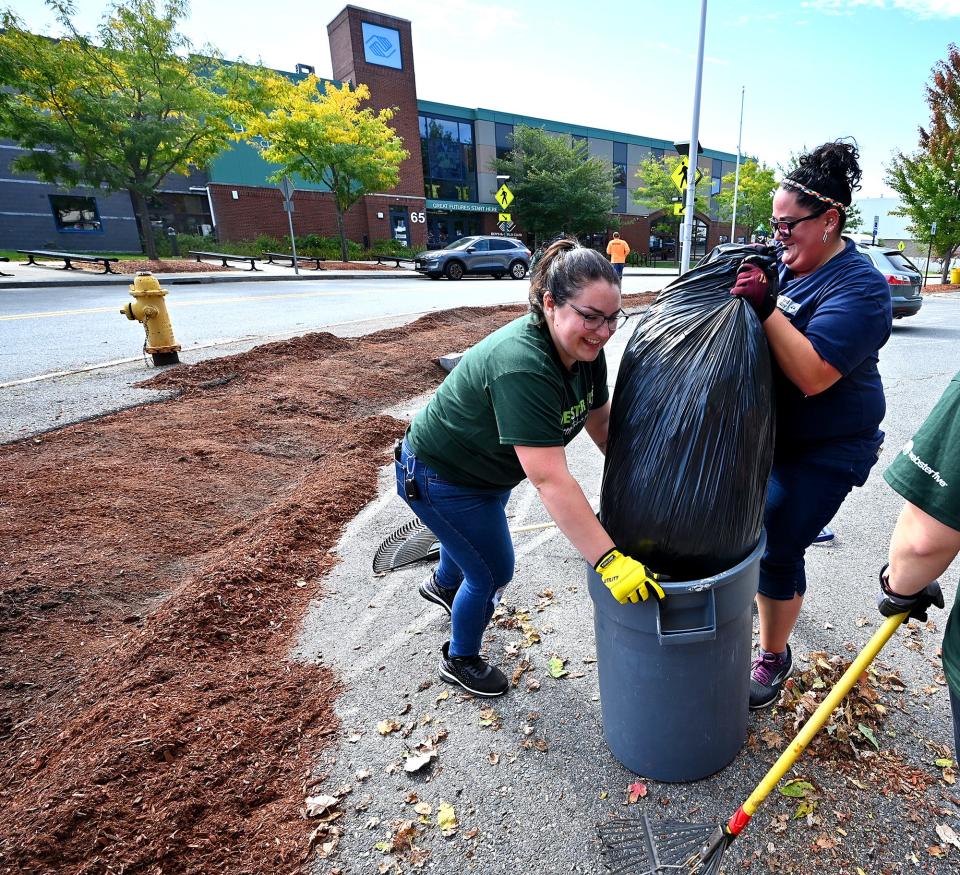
{"x": 813, "y": 70}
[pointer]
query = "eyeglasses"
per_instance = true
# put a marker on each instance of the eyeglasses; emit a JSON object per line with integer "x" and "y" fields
{"x": 784, "y": 227}
{"x": 593, "y": 321}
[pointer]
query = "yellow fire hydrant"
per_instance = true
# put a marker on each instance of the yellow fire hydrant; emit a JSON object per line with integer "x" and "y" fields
{"x": 149, "y": 308}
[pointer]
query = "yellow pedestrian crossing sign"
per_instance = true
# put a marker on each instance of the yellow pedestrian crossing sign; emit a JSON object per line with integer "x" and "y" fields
{"x": 901, "y": 246}
{"x": 679, "y": 209}
{"x": 679, "y": 175}
{"x": 505, "y": 217}
{"x": 504, "y": 196}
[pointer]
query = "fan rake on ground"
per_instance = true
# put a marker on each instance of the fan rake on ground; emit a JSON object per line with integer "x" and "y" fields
{"x": 640, "y": 846}
{"x": 414, "y": 542}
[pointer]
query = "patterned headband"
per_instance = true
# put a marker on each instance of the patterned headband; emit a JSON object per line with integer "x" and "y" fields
{"x": 789, "y": 183}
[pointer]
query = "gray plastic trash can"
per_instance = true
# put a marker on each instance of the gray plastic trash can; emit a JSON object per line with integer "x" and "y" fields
{"x": 675, "y": 676}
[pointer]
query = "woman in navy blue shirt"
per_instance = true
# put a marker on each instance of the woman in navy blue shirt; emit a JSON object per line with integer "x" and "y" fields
{"x": 826, "y": 312}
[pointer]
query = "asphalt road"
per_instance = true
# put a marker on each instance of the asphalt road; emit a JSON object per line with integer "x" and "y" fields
{"x": 46, "y": 330}
{"x": 50, "y": 330}
{"x": 530, "y": 779}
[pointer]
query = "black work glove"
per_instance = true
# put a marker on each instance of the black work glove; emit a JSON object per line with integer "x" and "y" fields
{"x": 890, "y": 603}
{"x": 759, "y": 283}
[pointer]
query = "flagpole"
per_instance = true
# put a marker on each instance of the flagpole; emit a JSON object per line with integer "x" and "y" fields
{"x": 736, "y": 182}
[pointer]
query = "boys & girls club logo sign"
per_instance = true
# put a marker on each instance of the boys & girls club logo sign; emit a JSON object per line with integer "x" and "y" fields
{"x": 381, "y": 45}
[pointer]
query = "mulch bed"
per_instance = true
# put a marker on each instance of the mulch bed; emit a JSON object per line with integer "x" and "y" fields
{"x": 932, "y": 290}
{"x": 155, "y": 566}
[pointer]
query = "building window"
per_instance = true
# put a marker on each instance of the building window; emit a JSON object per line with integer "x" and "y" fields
{"x": 504, "y": 135}
{"x": 657, "y": 153}
{"x": 449, "y": 159}
{"x": 75, "y": 213}
{"x": 620, "y": 176}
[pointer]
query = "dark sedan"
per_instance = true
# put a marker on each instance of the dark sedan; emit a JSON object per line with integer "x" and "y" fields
{"x": 902, "y": 275}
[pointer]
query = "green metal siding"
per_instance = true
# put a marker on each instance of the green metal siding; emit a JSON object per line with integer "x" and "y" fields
{"x": 241, "y": 163}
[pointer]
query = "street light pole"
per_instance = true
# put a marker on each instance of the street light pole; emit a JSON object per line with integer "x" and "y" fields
{"x": 694, "y": 140}
{"x": 736, "y": 181}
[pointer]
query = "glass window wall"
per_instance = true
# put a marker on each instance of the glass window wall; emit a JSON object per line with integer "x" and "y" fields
{"x": 449, "y": 159}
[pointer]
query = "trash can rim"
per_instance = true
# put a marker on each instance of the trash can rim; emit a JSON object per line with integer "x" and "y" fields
{"x": 715, "y": 580}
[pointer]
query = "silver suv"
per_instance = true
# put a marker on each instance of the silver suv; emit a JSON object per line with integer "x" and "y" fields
{"x": 902, "y": 275}
{"x": 496, "y": 256}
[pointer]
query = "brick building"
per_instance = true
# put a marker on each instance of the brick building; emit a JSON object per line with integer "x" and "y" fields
{"x": 446, "y": 188}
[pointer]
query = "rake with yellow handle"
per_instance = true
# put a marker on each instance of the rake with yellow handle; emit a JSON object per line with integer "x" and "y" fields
{"x": 635, "y": 846}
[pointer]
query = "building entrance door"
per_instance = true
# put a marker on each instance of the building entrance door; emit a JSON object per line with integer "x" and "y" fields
{"x": 444, "y": 227}
{"x": 400, "y": 225}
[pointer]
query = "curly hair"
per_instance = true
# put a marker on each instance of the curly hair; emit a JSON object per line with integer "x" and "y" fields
{"x": 831, "y": 170}
{"x": 563, "y": 268}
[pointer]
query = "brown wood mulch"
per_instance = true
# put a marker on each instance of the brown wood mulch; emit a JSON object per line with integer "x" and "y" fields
{"x": 155, "y": 566}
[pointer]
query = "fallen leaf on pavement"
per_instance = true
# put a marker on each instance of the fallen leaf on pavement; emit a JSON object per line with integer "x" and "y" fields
{"x": 636, "y": 791}
{"x": 947, "y": 835}
{"x": 446, "y": 819}
{"x": 317, "y": 805}
{"x": 555, "y": 667}
{"x": 796, "y": 789}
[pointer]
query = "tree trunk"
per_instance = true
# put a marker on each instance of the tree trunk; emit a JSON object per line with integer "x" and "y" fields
{"x": 146, "y": 229}
{"x": 344, "y": 250}
{"x": 945, "y": 258}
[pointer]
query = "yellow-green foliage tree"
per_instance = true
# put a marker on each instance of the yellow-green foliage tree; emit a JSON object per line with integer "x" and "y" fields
{"x": 328, "y": 138}
{"x": 657, "y": 191}
{"x": 120, "y": 110}
{"x": 755, "y": 197}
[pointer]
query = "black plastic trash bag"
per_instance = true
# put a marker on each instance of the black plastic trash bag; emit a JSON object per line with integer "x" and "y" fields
{"x": 691, "y": 428}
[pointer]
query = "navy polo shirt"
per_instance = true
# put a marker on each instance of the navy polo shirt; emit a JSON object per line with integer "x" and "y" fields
{"x": 844, "y": 310}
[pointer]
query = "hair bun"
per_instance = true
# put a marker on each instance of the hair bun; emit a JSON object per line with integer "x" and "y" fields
{"x": 838, "y": 161}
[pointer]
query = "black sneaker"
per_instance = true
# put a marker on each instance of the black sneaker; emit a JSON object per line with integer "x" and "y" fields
{"x": 472, "y": 673}
{"x": 767, "y": 676}
{"x": 439, "y": 595}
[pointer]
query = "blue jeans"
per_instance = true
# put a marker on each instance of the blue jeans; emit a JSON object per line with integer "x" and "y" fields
{"x": 804, "y": 492}
{"x": 476, "y": 551}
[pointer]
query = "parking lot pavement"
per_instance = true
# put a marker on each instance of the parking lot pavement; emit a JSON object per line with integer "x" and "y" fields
{"x": 529, "y": 776}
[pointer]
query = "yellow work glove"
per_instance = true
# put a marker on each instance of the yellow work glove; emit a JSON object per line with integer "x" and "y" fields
{"x": 626, "y": 578}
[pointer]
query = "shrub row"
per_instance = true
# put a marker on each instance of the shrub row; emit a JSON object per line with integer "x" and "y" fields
{"x": 309, "y": 244}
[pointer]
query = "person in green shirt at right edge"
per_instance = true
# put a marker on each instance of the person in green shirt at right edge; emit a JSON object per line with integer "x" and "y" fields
{"x": 926, "y": 538}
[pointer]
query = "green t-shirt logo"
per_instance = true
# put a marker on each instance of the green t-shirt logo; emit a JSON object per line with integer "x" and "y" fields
{"x": 573, "y": 416}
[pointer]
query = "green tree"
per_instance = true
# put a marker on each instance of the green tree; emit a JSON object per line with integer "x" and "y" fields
{"x": 754, "y": 198}
{"x": 657, "y": 191}
{"x": 928, "y": 180}
{"x": 558, "y": 188}
{"x": 120, "y": 112}
{"x": 327, "y": 138}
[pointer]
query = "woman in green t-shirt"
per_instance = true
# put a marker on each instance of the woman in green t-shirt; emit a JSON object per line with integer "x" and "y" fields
{"x": 505, "y": 414}
{"x": 926, "y": 539}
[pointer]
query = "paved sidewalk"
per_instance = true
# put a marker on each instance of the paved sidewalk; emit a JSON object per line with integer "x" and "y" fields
{"x": 32, "y": 276}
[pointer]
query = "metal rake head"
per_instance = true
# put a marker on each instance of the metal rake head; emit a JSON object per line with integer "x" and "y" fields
{"x": 640, "y": 846}
{"x": 412, "y": 542}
